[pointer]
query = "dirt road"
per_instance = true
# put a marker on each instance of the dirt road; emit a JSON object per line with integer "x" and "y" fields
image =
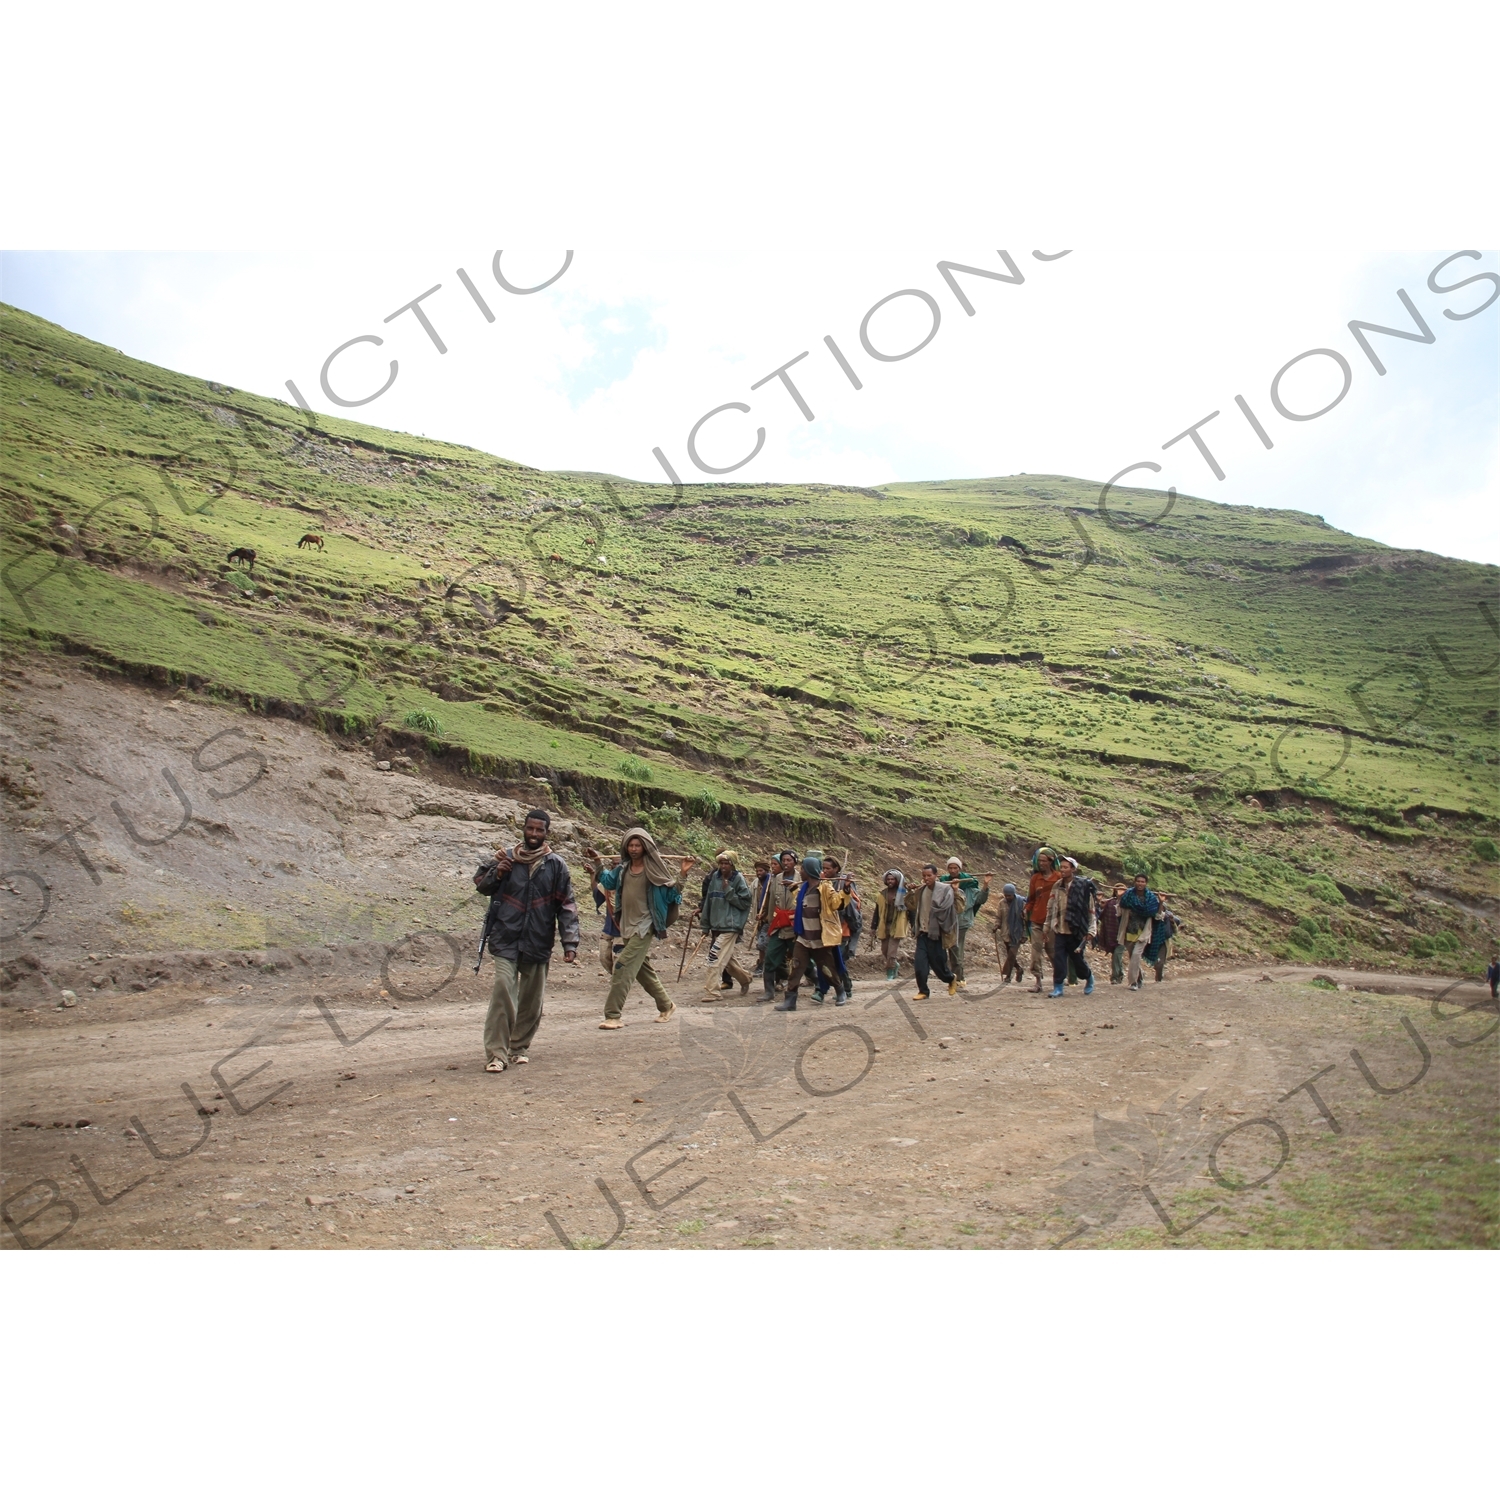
{"x": 270, "y": 1115}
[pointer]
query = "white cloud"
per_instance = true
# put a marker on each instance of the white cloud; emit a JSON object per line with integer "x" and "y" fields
{"x": 1094, "y": 363}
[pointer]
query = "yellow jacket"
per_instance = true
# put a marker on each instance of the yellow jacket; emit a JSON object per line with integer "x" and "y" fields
{"x": 899, "y": 923}
{"x": 830, "y": 903}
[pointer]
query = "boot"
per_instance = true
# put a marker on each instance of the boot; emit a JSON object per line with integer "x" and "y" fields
{"x": 891, "y": 973}
{"x": 790, "y": 1003}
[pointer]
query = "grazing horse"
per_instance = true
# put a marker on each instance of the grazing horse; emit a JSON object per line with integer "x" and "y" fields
{"x": 245, "y": 555}
{"x": 310, "y": 539}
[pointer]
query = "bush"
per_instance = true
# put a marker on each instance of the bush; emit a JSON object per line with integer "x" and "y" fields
{"x": 1486, "y": 850}
{"x": 419, "y": 718}
{"x": 704, "y": 845}
{"x": 705, "y": 805}
{"x": 1325, "y": 890}
{"x": 666, "y": 819}
{"x": 1422, "y": 947}
{"x": 1313, "y": 937}
{"x": 632, "y": 768}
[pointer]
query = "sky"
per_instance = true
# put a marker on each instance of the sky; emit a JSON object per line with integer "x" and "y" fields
{"x": 1092, "y": 361}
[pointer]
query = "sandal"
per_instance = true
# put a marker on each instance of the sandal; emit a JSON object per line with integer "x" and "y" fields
{"x": 668, "y": 1013}
{"x": 495, "y": 1065}
{"x": 607, "y": 1025}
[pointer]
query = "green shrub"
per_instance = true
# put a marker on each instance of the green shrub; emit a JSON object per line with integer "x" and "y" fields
{"x": 1487, "y": 850}
{"x": 419, "y": 718}
{"x": 632, "y": 768}
{"x": 700, "y": 842}
{"x": 1423, "y": 947}
{"x": 705, "y": 805}
{"x": 1312, "y": 937}
{"x": 1445, "y": 942}
{"x": 1325, "y": 890}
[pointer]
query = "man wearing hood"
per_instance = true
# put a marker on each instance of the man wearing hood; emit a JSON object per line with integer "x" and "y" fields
{"x": 889, "y": 922}
{"x": 726, "y": 907}
{"x": 1010, "y": 934}
{"x": 646, "y": 897}
{"x": 817, "y": 931}
{"x": 531, "y": 904}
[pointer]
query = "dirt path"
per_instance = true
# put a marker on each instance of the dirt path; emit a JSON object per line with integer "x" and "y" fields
{"x": 996, "y": 1118}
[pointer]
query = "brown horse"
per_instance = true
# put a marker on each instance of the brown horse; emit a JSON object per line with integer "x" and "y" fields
{"x": 245, "y": 555}
{"x": 311, "y": 539}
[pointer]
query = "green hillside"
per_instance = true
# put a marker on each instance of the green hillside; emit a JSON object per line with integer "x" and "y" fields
{"x": 992, "y": 658}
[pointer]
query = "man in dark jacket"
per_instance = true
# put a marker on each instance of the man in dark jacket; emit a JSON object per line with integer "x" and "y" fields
{"x": 531, "y": 905}
{"x": 1070, "y": 914}
{"x": 936, "y": 915}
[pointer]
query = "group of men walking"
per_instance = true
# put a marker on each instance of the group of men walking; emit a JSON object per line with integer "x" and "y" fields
{"x": 794, "y": 919}
{"x": 1062, "y": 914}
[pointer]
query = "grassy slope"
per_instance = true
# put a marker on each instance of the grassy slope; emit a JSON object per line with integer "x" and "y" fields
{"x": 824, "y": 655}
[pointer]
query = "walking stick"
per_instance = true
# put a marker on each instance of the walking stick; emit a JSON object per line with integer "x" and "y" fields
{"x": 683, "y": 963}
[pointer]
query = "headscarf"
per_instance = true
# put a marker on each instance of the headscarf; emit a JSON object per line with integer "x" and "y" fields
{"x": 786, "y": 854}
{"x": 1041, "y": 850}
{"x": 953, "y": 859}
{"x": 812, "y": 865}
{"x": 657, "y": 872}
{"x": 1012, "y": 915}
{"x": 519, "y": 854}
{"x": 730, "y": 855}
{"x": 900, "y": 894}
